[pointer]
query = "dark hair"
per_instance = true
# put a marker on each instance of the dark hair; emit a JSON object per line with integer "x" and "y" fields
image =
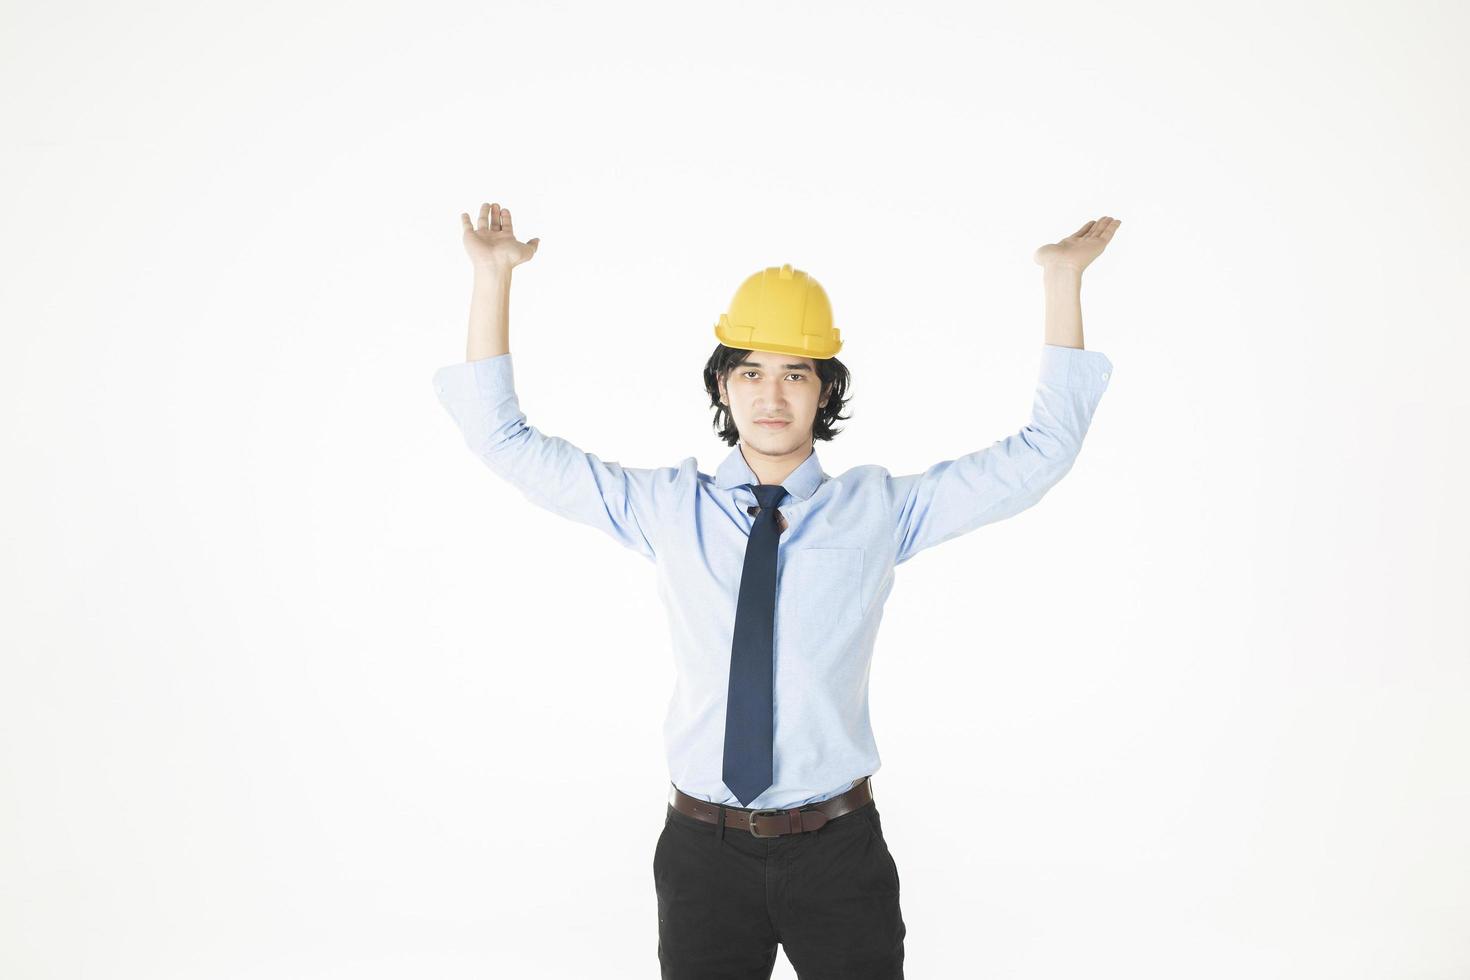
{"x": 830, "y": 372}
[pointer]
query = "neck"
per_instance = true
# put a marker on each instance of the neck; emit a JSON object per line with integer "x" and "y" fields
{"x": 774, "y": 469}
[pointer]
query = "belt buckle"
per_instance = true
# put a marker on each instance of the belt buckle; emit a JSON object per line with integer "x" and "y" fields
{"x": 757, "y": 813}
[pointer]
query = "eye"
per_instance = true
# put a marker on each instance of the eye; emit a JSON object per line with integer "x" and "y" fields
{"x": 798, "y": 377}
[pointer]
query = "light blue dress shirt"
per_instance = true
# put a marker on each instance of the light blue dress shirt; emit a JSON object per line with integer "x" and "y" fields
{"x": 835, "y": 561}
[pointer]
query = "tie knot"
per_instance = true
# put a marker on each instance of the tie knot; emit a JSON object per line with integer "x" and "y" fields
{"x": 769, "y": 494}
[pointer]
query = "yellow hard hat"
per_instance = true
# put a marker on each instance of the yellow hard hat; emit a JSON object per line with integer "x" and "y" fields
{"x": 784, "y": 310}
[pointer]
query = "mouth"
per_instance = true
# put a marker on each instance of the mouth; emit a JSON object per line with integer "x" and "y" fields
{"x": 773, "y": 423}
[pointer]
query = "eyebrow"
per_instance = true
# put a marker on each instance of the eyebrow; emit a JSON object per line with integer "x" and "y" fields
{"x": 786, "y": 367}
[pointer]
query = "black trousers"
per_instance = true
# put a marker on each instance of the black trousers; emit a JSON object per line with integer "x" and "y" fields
{"x": 829, "y": 897}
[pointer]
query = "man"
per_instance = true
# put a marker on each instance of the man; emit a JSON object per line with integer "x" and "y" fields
{"x": 775, "y": 575}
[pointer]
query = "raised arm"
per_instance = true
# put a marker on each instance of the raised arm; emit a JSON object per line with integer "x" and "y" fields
{"x": 494, "y": 252}
{"x": 959, "y": 495}
{"x": 480, "y": 396}
{"x": 549, "y": 471}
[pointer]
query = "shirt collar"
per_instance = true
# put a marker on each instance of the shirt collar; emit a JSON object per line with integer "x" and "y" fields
{"x": 801, "y": 484}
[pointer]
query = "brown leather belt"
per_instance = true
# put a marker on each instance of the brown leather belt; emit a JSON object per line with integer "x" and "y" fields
{"x": 775, "y": 823}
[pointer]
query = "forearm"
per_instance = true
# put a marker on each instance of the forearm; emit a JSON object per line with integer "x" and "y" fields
{"x": 1063, "y": 286}
{"x": 489, "y": 313}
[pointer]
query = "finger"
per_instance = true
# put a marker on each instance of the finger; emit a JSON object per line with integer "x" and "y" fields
{"x": 484, "y": 216}
{"x": 535, "y": 243}
{"x": 505, "y": 219}
{"x": 1081, "y": 231}
{"x": 464, "y": 219}
{"x": 1097, "y": 227}
{"x": 1112, "y": 227}
{"x": 494, "y": 217}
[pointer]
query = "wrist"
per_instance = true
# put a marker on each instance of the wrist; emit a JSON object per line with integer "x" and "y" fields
{"x": 492, "y": 272}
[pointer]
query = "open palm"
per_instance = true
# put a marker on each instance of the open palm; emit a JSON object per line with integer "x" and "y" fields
{"x": 493, "y": 241}
{"x": 1078, "y": 249}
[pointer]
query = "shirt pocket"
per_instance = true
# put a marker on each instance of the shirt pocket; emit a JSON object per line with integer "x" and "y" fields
{"x": 826, "y": 591}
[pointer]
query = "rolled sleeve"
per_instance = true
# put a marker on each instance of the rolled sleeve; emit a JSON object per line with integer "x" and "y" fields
{"x": 1073, "y": 367}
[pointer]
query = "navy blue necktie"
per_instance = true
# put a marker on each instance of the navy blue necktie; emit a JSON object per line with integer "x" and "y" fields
{"x": 750, "y": 708}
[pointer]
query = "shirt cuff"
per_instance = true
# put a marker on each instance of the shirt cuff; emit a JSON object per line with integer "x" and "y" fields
{"x": 458, "y": 382}
{"x": 1073, "y": 367}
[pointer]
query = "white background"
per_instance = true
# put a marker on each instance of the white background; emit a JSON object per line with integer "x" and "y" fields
{"x": 294, "y": 687}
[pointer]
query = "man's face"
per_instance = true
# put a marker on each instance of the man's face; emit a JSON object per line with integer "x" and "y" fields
{"x": 767, "y": 385}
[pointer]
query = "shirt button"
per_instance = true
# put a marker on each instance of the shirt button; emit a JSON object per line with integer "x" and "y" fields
{"x": 1105, "y": 375}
